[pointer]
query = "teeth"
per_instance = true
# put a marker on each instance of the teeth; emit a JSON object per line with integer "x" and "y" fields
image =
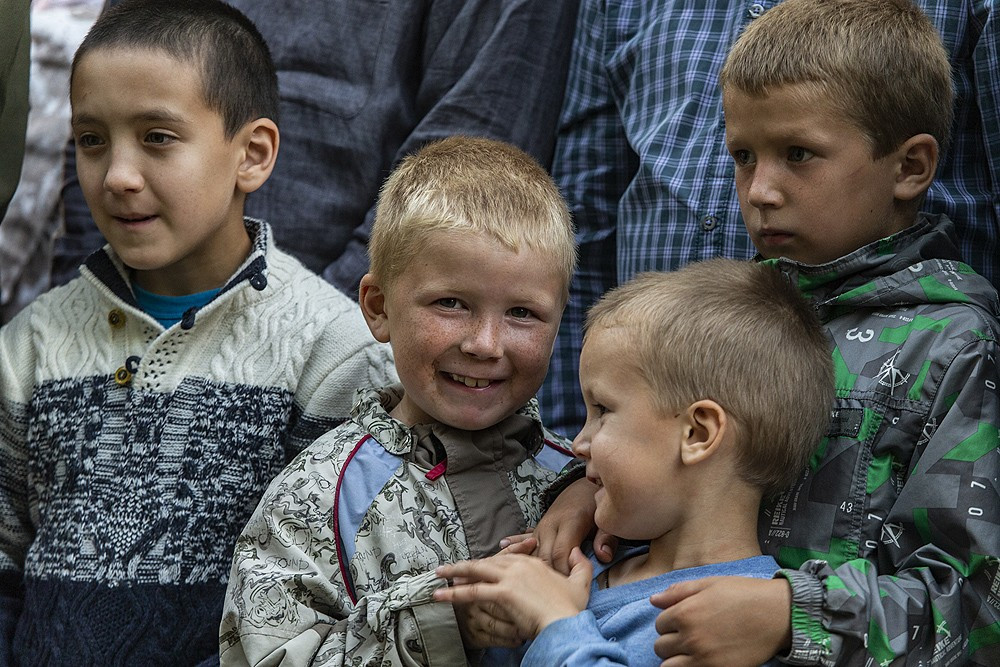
{"x": 470, "y": 382}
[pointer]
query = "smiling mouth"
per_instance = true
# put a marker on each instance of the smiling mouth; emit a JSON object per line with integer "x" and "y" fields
{"x": 475, "y": 383}
{"x": 132, "y": 219}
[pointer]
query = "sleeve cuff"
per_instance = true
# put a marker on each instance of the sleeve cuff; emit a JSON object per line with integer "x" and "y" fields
{"x": 810, "y": 640}
{"x": 432, "y": 623}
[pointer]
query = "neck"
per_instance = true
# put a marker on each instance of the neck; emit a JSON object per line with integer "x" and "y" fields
{"x": 709, "y": 533}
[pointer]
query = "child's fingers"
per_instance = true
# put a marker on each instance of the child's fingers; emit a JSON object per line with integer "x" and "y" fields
{"x": 466, "y": 593}
{"x": 515, "y": 539}
{"x": 493, "y": 628}
{"x": 469, "y": 569}
{"x": 604, "y": 546}
{"x": 675, "y": 594}
{"x": 526, "y": 546}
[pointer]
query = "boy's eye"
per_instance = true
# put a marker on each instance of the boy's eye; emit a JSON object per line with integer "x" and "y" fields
{"x": 88, "y": 140}
{"x": 799, "y": 154}
{"x": 599, "y": 409}
{"x": 448, "y": 303}
{"x": 743, "y": 157}
{"x": 520, "y": 313}
{"x": 158, "y": 138}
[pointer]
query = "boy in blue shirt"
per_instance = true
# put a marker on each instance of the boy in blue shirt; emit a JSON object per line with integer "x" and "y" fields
{"x": 145, "y": 406}
{"x": 680, "y": 451}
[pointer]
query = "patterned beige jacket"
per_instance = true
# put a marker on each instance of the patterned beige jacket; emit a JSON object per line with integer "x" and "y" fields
{"x": 336, "y": 566}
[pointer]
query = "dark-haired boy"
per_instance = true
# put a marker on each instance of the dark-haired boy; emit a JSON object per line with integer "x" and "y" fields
{"x": 145, "y": 406}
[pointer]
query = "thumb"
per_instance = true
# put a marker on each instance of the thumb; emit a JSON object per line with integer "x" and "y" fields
{"x": 581, "y": 571}
{"x": 677, "y": 592}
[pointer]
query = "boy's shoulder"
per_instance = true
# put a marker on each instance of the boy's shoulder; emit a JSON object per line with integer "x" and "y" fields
{"x": 72, "y": 304}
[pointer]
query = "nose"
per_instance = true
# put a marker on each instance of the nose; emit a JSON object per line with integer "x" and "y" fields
{"x": 483, "y": 339}
{"x": 581, "y": 443}
{"x": 123, "y": 174}
{"x": 764, "y": 189}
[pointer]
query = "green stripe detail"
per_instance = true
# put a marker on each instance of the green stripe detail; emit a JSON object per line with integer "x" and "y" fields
{"x": 879, "y": 471}
{"x": 976, "y": 446}
{"x": 938, "y": 292}
{"x": 922, "y": 524}
{"x": 835, "y": 583}
{"x": 810, "y": 627}
{"x": 899, "y": 334}
{"x": 818, "y": 455}
{"x": 985, "y": 636}
{"x": 977, "y": 562}
{"x": 870, "y": 423}
{"x": 840, "y": 552}
{"x": 918, "y": 383}
{"x": 878, "y": 644}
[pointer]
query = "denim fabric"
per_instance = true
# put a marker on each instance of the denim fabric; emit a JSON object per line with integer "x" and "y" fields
{"x": 363, "y": 83}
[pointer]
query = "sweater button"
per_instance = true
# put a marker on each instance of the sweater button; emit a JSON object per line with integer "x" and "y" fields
{"x": 123, "y": 376}
{"x": 116, "y": 318}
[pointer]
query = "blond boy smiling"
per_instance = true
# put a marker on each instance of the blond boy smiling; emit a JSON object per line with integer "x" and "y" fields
{"x": 471, "y": 255}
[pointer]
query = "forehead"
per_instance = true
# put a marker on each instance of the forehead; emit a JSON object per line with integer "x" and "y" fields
{"x": 474, "y": 264}
{"x": 795, "y": 110}
{"x": 476, "y": 250}
{"x": 117, "y": 69}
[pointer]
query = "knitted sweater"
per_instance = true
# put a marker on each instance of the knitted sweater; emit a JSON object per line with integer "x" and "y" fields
{"x": 131, "y": 456}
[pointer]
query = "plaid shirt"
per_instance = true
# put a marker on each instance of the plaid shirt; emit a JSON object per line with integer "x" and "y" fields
{"x": 641, "y": 154}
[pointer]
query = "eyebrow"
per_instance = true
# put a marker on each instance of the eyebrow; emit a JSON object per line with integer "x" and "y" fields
{"x": 156, "y": 115}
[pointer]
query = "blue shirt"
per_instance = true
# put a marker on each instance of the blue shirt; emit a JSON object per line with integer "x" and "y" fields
{"x": 641, "y": 156}
{"x": 618, "y": 626}
{"x": 169, "y": 310}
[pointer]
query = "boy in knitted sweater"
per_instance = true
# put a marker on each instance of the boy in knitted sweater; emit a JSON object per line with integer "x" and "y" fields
{"x": 145, "y": 406}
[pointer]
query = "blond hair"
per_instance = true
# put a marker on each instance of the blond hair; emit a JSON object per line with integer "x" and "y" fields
{"x": 469, "y": 184}
{"x": 737, "y": 333}
{"x": 880, "y": 62}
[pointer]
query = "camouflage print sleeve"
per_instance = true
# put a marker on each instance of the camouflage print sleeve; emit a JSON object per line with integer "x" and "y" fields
{"x": 928, "y": 592}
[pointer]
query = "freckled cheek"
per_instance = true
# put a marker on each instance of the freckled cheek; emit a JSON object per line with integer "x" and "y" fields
{"x": 531, "y": 350}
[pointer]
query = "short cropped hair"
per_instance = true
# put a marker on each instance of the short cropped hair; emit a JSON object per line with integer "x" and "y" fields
{"x": 737, "y": 333}
{"x": 880, "y": 62}
{"x": 238, "y": 79}
{"x": 469, "y": 184}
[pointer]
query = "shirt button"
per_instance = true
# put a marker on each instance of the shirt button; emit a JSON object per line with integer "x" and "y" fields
{"x": 756, "y": 9}
{"x": 709, "y": 222}
{"x": 116, "y": 318}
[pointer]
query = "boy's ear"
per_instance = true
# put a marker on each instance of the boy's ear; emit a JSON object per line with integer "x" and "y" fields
{"x": 259, "y": 139}
{"x": 917, "y": 162}
{"x": 704, "y": 430}
{"x": 371, "y": 296}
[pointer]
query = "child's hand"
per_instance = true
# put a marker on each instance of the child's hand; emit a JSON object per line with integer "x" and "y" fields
{"x": 530, "y": 594}
{"x": 523, "y": 543}
{"x": 723, "y": 621}
{"x": 485, "y": 624}
{"x": 566, "y": 524}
